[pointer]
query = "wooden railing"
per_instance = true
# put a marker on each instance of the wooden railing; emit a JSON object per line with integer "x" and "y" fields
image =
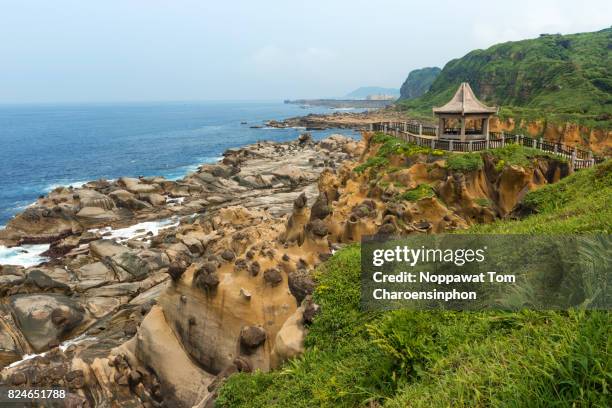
{"x": 421, "y": 135}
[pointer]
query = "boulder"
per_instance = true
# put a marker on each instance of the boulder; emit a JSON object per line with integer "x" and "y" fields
{"x": 252, "y": 336}
{"x": 154, "y": 199}
{"x": 94, "y": 215}
{"x": 106, "y": 248}
{"x": 273, "y": 276}
{"x": 45, "y": 319}
{"x": 300, "y": 284}
{"x": 136, "y": 186}
{"x": 92, "y": 198}
{"x": 289, "y": 342}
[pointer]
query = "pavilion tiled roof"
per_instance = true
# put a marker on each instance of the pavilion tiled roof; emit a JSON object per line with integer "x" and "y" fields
{"x": 465, "y": 102}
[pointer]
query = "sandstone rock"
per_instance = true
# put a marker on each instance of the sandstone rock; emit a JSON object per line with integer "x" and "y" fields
{"x": 273, "y": 276}
{"x": 37, "y": 281}
{"x": 92, "y": 198}
{"x": 228, "y": 255}
{"x": 176, "y": 270}
{"x": 95, "y": 215}
{"x": 9, "y": 351}
{"x": 252, "y": 336}
{"x": 105, "y": 248}
{"x": 318, "y": 228}
{"x": 305, "y": 138}
{"x": 135, "y": 186}
{"x": 45, "y": 318}
{"x": 300, "y": 284}
{"x": 206, "y": 277}
{"x": 289, "y": 341}
{"x": 254, "y": 268}
{"x": 195, "y": 246}
{"x": 183, "y": 384}
{"x": 154, "y": 199}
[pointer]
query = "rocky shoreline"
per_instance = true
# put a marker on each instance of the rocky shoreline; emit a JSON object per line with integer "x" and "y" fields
{"x": 116, "y": 246}
{"x": 160, "y": 313}
{"x": 339, "y": 120}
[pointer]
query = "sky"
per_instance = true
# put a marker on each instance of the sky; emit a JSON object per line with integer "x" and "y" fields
{"x": 181, "y": 50}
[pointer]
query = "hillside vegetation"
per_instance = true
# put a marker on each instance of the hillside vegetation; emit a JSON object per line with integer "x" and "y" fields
{"x": 441, "y": 359}
{"x": 418, "y": 82}
{"x": 555, "y": 77}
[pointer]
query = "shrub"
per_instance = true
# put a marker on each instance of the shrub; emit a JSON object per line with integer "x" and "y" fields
{"x": 463, "y": 162}
{"x": 372, "y": 162}
{"x": 420, "y": 191}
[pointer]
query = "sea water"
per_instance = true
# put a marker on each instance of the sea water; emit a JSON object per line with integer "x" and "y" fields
{"x": 46, "y": 146}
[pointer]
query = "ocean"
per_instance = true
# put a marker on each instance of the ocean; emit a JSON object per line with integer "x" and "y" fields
{"x": 46, "y": 146}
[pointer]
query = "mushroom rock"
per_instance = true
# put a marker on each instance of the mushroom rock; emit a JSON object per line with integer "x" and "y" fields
{"x": 252, "y": 336}
{"x": 328, "y": 185}
{"x": 206, "y": 277}
{"x": 294, "y": 230}
{"x": 300, "y": 284}
{"x": 272, "y": 276}
{"x": 320, "y": 209}
{"x": 176, "y": 270}
{"x": 255, "y": 268}
{"x": 228, "y": 255}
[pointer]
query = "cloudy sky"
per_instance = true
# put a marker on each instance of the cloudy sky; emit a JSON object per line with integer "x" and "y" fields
{"x": 150, "y": 50}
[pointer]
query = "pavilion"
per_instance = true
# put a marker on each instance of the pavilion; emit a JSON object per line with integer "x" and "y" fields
{"x": 464, "y": 117}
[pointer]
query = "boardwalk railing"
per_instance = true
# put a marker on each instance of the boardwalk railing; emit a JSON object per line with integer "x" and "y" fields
{"x": 421, "y": 135}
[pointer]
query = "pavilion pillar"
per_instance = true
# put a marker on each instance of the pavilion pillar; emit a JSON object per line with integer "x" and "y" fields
{"x": 440, "y": 127}
{"x": 485, "y": 131}
{"x": 463, "y": 128}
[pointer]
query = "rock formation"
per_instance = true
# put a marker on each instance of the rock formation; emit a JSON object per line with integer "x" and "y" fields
{"x": 161, "y": 318}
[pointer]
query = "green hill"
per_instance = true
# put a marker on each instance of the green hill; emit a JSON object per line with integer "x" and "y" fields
{"x": 418, "y": 82}
{"x": 557, "y": 77}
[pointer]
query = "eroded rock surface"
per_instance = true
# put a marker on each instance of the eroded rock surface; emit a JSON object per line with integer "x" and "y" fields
{"x": 161, "y": 316}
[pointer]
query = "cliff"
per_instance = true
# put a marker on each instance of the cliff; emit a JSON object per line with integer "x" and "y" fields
{"x": 418, "y": 82}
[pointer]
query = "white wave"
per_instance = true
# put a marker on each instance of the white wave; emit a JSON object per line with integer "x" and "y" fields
{"x": 343, "y": 109}
{"x": 24, "y": 255}
{"x": 75, "y": 184}
{"x": 63, "y": 346}
{"x": 185, "y": 170}
{"x": 175, "y": 201}
{"x": 139, "y": 230}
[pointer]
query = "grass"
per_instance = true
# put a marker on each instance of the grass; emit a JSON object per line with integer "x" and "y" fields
{"x": 420, "y": 191}
{"x": 464, "y": 162}
{"x": 514, "y": 154}
{"x": 391, "y": 145}
{"x": 440, "y": 359}
{"x": 372, "y": 162}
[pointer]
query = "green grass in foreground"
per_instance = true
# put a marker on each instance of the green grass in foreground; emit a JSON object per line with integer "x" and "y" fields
{"x": 441, "y": 359}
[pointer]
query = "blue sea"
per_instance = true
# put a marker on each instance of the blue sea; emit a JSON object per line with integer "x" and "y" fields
{"x": 46, "y": 146}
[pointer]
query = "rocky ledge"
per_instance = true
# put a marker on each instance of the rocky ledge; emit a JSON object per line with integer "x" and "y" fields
{"x": 340, "y": 120}
{"x": 161, "y": 319}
